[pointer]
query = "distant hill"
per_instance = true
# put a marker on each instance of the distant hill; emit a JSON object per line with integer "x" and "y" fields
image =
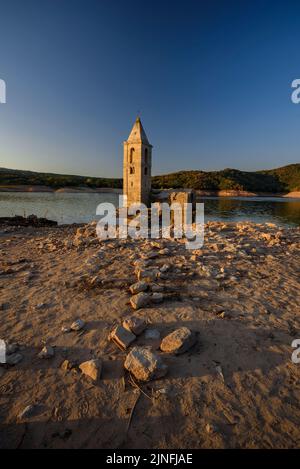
{"x": 14, "y": 177}
{"x": 285, "y": 179}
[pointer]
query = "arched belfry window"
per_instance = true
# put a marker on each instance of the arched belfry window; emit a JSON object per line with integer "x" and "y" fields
{"x": 132, "y": 170}
{"x": 146, "y": 155}
{"x": 131, "y": 155}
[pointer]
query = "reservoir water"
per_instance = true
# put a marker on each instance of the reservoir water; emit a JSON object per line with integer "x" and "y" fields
{"x": 81, "y": 207}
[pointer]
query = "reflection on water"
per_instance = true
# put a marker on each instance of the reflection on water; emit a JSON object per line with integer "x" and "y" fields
{"x": 59, "y": 206}
{"x": 273, "y": 210}
{"x": 81, "y": 208}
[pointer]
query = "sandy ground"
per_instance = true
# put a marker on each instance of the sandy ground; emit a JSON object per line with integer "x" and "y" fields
{"x": 236, "y": 388}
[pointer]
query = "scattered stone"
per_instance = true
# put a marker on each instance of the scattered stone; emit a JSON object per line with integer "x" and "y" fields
{"x": 165, "y": 268}
{"x": 92, "y": 368}
{"x": 138, "y": 287}
{"x": 140, "y": 300}
{"x": 66, "y": 365}
{"x": 157, "y": 297}
{"x": 77, "y": 325}
{"x": 164, "y": 252}
{"x": 123, "y": 337}
{"x": 209, "y": 428}
{"x": 47, "y": 352}
{"x": 68, "y": 243}
{"x": 147, "y": 275}
{"x": 178, "y": 341}
{"x": 28, "y": 412}
{"x": 65, "y": 329}
{"x": 144, "y": 364}
{"x": 220, "y": 372}
{"x": 135, "y": 324}
{"x": 14, "y": 359}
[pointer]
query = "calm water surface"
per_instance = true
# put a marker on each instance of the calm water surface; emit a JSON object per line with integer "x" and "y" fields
{"x": 81, "y": 208}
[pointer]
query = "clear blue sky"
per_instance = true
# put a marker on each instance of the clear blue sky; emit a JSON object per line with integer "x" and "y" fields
{"x": 212, "y": 80}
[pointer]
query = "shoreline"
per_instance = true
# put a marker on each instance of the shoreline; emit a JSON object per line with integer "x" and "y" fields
{"x": 71, "y": 190}
{"x": 110, "y": 190}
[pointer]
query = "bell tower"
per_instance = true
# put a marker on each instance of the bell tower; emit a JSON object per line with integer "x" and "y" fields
{"x": 137, "y": 166}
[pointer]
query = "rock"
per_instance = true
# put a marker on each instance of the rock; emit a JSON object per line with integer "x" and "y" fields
{"x": 138, "y": 287}
{"x": 147, "y": 275}
{"x": 92, "y": 368}
{"x": 135, "y": 324}
{"x": 164, "y": 252}
{"x": 78, "y": 241}
{"x": 68, "y": 243}
{"x": 65, "y": 329}
{"x": 140, "y": 300}
{"x": 156, "y": 244}
{"x": 162, "y": 275}
{"x": 14, "y": 358}
{"x": 11, "y": 348}
{"x": 27, "y": 412}
{"x": 47, "y": 352}
{"x": 149, "y": 255}
{"x": 157, "y": 297}
{"x": 144, "y": 364}
{"x": 152, "y": 334}
{"x": 122, "y": 336}
{"x": 210, "y": 428}
{"x": 66, "y": 365}
{"x": 77, "y": 325}
{"x": 141, "y": 264}
{"x": 165, "y": 268}
{"x": 178, "y": 341}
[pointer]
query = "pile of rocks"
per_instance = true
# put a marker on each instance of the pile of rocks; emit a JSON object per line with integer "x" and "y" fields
{"x": 142, "y": 362}
{"x": 86, "y": 236}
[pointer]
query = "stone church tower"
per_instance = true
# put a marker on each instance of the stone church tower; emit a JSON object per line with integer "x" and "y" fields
{"x": 137, "y": 166}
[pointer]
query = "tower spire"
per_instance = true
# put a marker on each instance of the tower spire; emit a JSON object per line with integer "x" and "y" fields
{"x": 138, "y": 134}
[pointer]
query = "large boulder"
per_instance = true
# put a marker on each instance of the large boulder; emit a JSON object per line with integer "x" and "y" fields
{"x": 178, "y": 341}
{"x": 92, "y": 368}
{"x": 144, "y": 364}
{"x": 140, "y": 300}
{"x": 138, "y": 287}
{"x": 122, "y": 337}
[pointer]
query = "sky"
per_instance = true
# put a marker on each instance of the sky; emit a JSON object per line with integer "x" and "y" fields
{"x": 210, "y": 79}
